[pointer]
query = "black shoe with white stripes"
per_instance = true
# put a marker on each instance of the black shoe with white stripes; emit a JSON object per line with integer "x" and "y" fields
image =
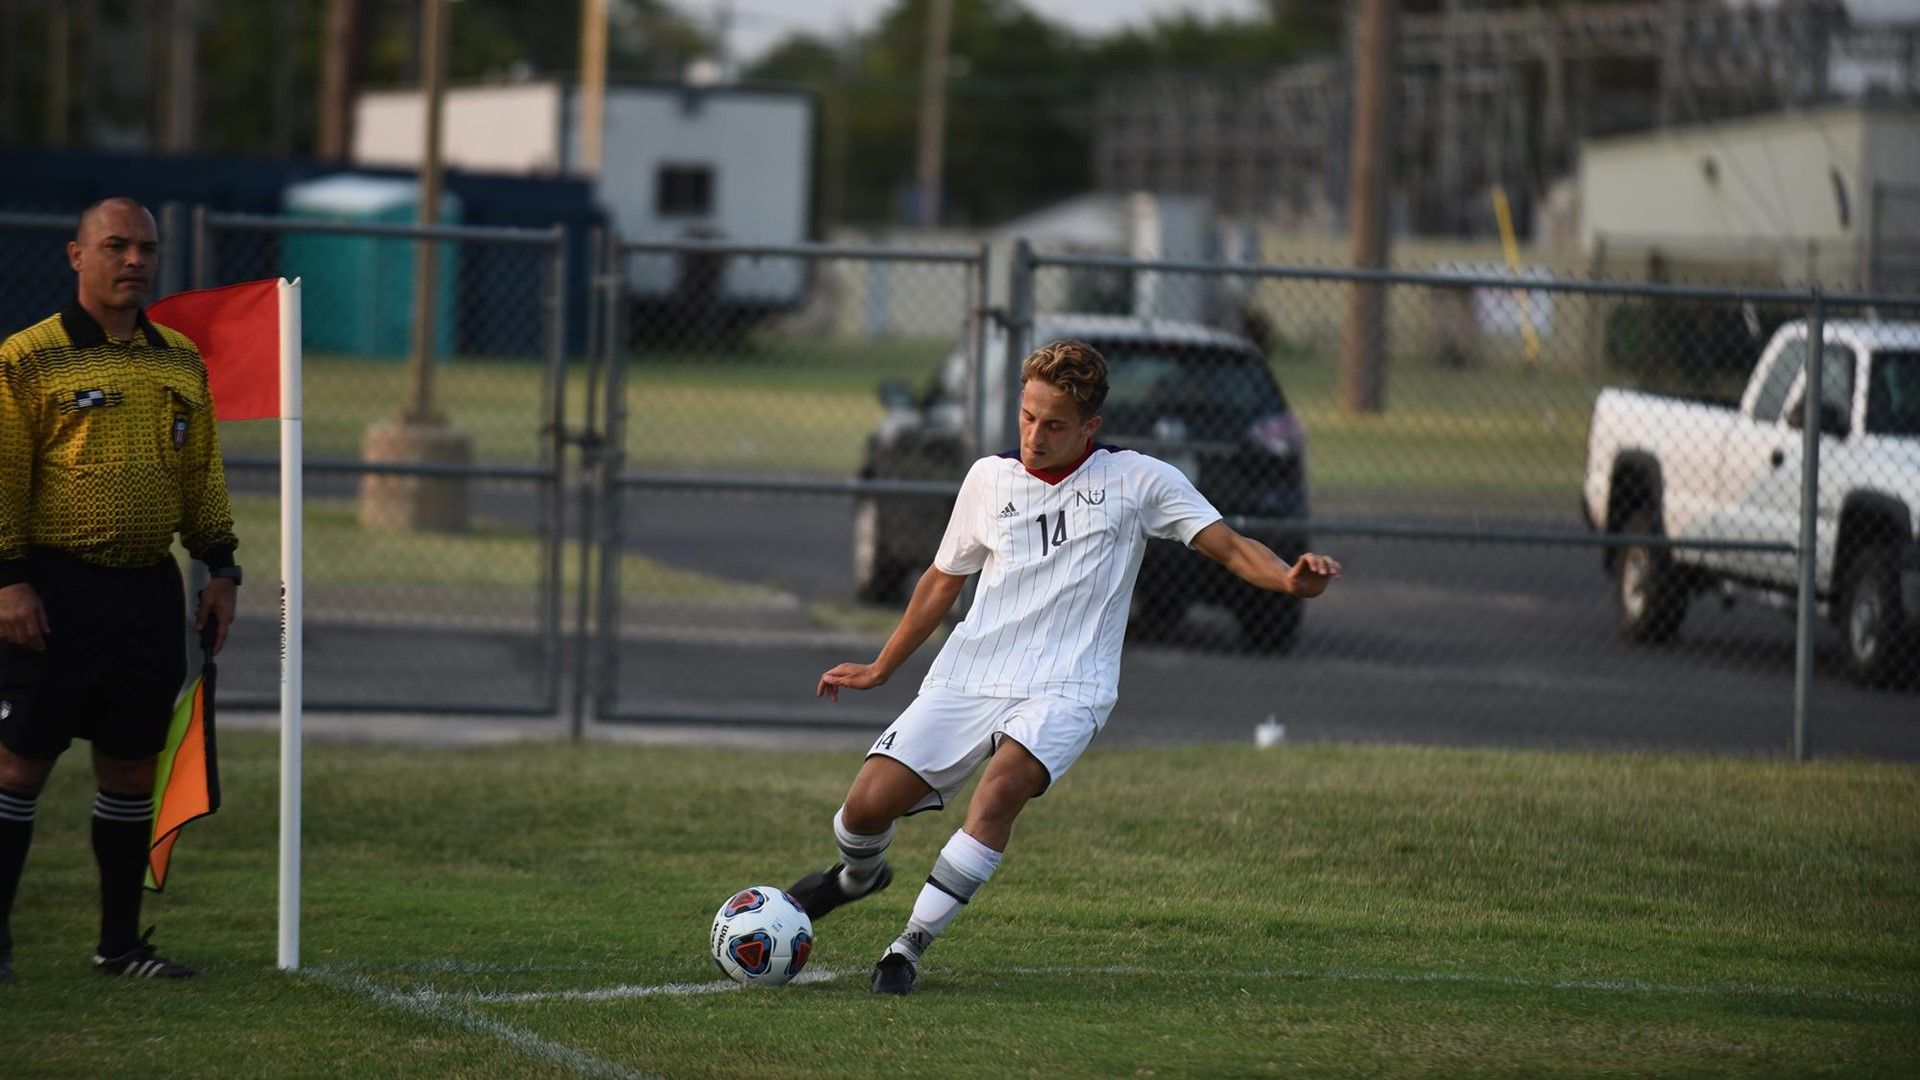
{"x": 142, "y": 962}
{"x": 893, "y": 974}
{"x": 821, "y": 892}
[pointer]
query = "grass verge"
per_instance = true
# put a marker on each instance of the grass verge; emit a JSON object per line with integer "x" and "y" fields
{"x": 1328, "y": 911}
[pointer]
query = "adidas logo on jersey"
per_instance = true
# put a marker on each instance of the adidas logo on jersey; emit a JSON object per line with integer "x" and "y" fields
{"x": 1008, "y": 511}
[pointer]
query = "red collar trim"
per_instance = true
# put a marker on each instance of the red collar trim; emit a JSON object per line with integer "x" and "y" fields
{"x": 1054, "y": 476}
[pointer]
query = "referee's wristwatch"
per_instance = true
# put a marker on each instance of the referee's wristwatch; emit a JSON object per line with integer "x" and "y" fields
{"x": 230, "y": 572}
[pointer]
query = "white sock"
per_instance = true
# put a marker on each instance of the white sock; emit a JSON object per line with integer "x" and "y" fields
{"x": 862, "y": 855}
{"x": 964, "y": 865}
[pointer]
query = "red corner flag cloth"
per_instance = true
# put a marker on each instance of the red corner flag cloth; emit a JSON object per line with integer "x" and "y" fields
{"x": 238, "y": 330}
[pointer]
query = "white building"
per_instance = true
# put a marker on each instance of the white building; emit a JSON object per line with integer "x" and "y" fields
{"x": 724, "y": 162}
{"x": 1834, "y": 190}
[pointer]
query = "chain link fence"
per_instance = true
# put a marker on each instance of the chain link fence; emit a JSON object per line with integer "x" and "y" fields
{"x": 434, "y": 507}
{"x": 1570, "y": 511}
{"x": 739, "y": 437}
{"x": 1567, "y": 519}
{"x": 1563, "y": 509}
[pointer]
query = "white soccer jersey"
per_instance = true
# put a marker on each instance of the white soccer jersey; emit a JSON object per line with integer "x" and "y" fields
{"x": 1057, "y": 564}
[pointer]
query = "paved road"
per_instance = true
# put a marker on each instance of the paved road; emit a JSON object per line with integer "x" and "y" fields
{"x": 1445, "y": 644}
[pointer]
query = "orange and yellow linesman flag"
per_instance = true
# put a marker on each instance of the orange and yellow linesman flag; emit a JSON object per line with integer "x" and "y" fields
{"x": 186, "y": 783}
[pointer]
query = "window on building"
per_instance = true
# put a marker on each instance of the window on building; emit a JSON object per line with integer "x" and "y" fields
{"x": 684, "y": 191}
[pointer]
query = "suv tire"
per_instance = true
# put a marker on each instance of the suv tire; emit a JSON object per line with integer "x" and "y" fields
{"x": 1269, "y": 623}
{"x": 877, "y": 576}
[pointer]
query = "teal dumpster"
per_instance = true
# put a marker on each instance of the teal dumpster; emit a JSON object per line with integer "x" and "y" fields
{"x": 357, "y": 291}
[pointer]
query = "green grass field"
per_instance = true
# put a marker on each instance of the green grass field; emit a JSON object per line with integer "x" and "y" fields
{"x": 806, "y": 406}
{"x": 1321, "y": 911}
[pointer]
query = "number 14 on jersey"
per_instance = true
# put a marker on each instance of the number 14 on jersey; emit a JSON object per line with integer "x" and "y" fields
{"x": 1058, "y": 534}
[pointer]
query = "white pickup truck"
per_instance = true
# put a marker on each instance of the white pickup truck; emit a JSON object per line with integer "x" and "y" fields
{"x": 1695, "y": 470}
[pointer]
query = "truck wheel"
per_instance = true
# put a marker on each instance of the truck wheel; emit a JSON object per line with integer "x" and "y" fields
{"x": 876, "y": 576}
{"x": 1650, "y": 593}
{"x": 1271, "y": 624}
{"x": 1879, "y": 640}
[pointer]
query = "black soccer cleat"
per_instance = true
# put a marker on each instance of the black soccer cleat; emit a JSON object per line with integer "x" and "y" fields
{"x": 894, "y": 974}
{"x": 820, "y": 892}
{"x": 142, "y": 962}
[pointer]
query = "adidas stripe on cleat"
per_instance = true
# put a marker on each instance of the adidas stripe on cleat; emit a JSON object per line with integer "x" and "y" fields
{"x": 142, "y": 962}
{"x": 820, "y": 892}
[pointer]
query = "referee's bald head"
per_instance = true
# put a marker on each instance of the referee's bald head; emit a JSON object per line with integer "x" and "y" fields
{"x": 91, "y": 215}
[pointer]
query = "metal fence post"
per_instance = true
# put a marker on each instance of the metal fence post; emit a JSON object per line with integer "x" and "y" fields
{"x": 979, "y": 320}
{"x": 1020, "y": 309}
{"x": 202, "y": 250}
{"x": 173, "y": 234}
{"x": 598, "y": 258}
{"x": 612, "y": 460}
{"x": 555, "y": 447}
{"x": 1809, "y": 526}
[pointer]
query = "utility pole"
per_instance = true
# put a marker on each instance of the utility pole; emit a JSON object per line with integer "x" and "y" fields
{"x": 933, "y": 111}
{"x": 833, "y": 166}
{"x": 419, "y": 434}
{"x": 59, "y": 75}
{"x": 1363, "y": 370}
{"x": 426, "y": 263}
{"x": 286, "y": 28}
{"x": 723, "y": 38}
{"x": 340, "y": 76}
{"x": 593, "y": 86}
{"x": 182, "y": 93}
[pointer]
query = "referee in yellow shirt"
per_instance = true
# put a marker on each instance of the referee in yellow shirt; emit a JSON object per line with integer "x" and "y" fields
{"x": 107, "y": 449}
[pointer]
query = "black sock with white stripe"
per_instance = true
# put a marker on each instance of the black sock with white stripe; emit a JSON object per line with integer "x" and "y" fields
{"x": 122, "y": 829}
{"x": 964, "y": 865}
{"x": 16, "y": 835}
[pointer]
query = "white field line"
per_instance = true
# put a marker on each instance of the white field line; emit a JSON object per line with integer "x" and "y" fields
{"x": 435, "y": 1007}
{"x": 1609, "y": 986}
{"x": 617, "y": 993}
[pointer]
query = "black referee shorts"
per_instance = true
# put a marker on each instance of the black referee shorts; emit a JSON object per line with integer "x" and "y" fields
{"x": 113, "y": 663}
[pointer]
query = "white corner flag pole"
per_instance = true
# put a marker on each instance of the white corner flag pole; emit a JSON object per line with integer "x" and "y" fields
{"x": 290, "y": 620}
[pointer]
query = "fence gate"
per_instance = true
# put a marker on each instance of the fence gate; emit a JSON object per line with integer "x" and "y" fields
{"x": 737, "y": 412}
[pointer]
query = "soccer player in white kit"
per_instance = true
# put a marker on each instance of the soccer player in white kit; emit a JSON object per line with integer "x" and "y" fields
{"x": 1029, "y": 677}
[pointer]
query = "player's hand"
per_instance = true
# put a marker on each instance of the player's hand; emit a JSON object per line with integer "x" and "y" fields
{"x": 855, "y": 676}
{"x": 1310, "y": 574}
{"x": 23, "y": 621}
{"x": 216, "y": 603}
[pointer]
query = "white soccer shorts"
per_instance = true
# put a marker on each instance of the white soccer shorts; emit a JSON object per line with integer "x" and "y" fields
{"x": 945, "y": 735}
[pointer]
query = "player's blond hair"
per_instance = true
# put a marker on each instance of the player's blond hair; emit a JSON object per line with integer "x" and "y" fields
{"x": 1074, "y": 367}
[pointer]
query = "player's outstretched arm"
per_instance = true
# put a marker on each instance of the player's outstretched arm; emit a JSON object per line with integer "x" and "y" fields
{"x": 932, "y": 599}
{"x": 1254, "y": 562}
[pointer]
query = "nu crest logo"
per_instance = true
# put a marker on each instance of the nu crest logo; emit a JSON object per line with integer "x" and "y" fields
{"x": 1091, "y": 498}
{"x": 1008, "y": 511}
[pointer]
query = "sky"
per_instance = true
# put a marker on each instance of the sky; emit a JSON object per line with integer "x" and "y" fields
{"x": 757, "y": 24}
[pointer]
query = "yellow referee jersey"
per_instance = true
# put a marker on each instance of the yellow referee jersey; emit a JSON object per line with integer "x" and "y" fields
{"x": 108, "y": 448}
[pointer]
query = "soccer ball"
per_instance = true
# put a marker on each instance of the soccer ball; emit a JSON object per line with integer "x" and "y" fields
{"x": 761, "y": 936}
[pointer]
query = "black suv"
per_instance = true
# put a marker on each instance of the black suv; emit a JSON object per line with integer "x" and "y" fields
{"x": 1201, "y": 399}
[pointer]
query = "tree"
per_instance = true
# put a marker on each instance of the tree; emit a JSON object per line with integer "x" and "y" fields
{"x": 1013, "y": 136}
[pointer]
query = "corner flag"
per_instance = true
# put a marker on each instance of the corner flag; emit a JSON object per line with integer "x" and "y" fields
{"x": 249, "y": 336}
{"x": 237, "y": 328}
